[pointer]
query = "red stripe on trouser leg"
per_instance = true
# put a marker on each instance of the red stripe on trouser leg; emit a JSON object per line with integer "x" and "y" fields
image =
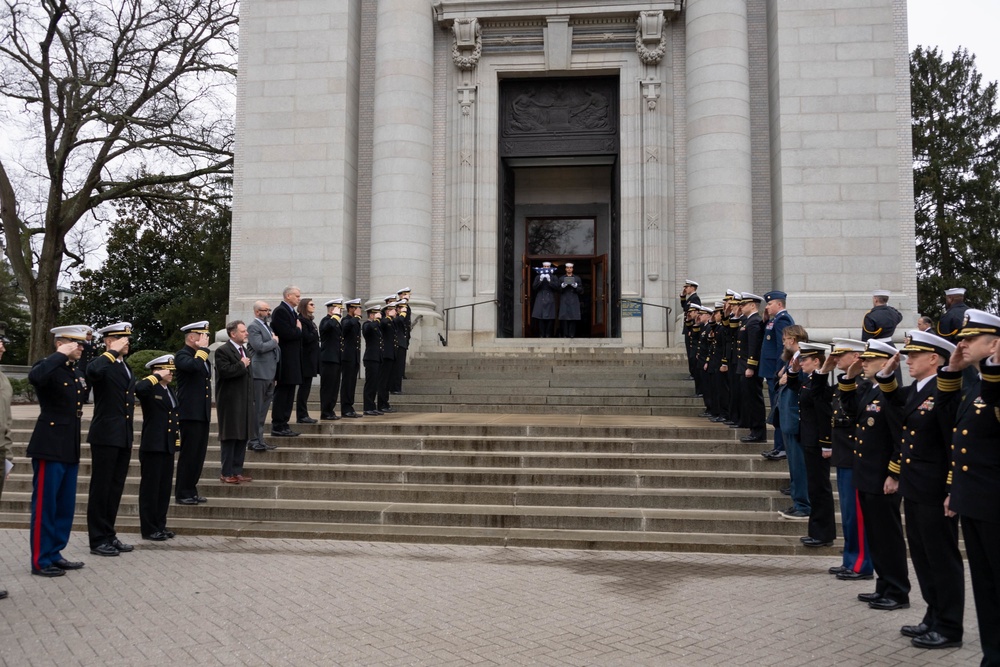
{"x": 36, "y": 543}
{"x": 861, "y": 533}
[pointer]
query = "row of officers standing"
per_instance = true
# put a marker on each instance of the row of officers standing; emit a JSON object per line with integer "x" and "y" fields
{"x": 256, "y": 366}
{"x": 929, "y": 449}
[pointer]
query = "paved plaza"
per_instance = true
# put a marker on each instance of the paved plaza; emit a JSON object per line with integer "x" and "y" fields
{"x": 224, "y": 601}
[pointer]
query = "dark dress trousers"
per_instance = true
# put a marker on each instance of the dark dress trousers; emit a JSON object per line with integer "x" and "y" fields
{"x": 570, "y": 291}
{"x": 927, "y": 419}
{"x": 160, "y": 437}
{"x": 350, "y": 362}
{"x": 544, "y": 309}
{"x": 289, "y": 376}
{"x": 752, "y": 414}
{"x": 310, "y": 366}
{"x": 973, "y": 481}
{"x": 194, "y": 394}
{"x": 735, "y": 384}
{"x": 876, "y": 456}
{"x": 331, "y": 343}
{"x": 110, "y": 438}
{"x": 372, "y": 334}
{"x": 54, "y": 450}
{"x": 399, "y": 327}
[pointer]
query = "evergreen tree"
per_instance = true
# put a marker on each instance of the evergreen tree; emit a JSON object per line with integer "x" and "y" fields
{"x": 956, "y": 146}
{"x": 168, "y": 265}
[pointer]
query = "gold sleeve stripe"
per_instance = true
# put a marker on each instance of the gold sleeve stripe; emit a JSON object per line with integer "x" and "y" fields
{"x": 846, "y": 387}
{"x": 948, "y": 481}
{"x": 894, "y": 467}
{"x": 751, "y": 362}
{"x": 948, "y": 384}
{"x": 201, "y": 354}
{"x": 989, "y": 377}
{"x": 109, "y": 356}
{"x": 888, "y": 386}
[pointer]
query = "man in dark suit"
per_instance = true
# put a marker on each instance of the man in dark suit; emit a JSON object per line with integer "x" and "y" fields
{"x": 350, "y": 358}
{"x": 388, "y": 356}
{"x": 751, "y": 335}
{"x": 194, "y": 392}
{"x": 876, "y": 476}
{"x": 331, "y": 342}
{"x": 880, "y": 322}
{"x": 234, "y": 402}
{"x": 54, "y": 450}
{"x": 110, "y": 438}
{"x": 927, "y": 417}
{"x": 975, "y": 466}
{"x": 160, "y": 437}
{"x": 372, "y": 333}
{"x": 262, "y": 346}
{"x": 287, "y": 327}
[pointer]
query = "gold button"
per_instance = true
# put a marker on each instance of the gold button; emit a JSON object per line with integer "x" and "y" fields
{"x": 907, "y": 460}
{"x": 954, "y": 430}
{"x": 911, "y": 446}
{"x": 52, "y": 423}
{"x": 978, "y": 411}
{"x": 913, "y": 432}
{"x": 922, "y": 412}
{"x": 965, "y": 468}
{"x": 964, "y": 450}
{"x": 965, "y": 431}
{"x": 860, "y": 455}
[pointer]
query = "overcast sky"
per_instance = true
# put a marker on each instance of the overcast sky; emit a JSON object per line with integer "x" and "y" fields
{"x": 949, "y": 24}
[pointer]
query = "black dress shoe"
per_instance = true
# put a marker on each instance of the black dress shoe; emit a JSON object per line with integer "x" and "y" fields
{"x": 156, "y": 537}
{"x": 372, "y": 413}
{"x": 50, "y": 571}
{"x": 201, "y": 499}
{"x": 753, "y": 438}
{"x": 718, "y": 420}
{"x": 785, "y": 490}
{"x": 705, "y": 413}
{"x": 169, "y": 533}
{"x": 257, "y": 448}
{"x": 64, "y": 564}
{"x": 187, "y": 501}
{"x": 838, "y": 569}
{"x": 869, "y": 597}
{"x": 914, "y": 630}
{"x": 851, "y": 575}
{"x": 888, "y": 604}
{"x": 729, "y": 422}
{"x": 306, "y": 420}
{"x": 104, "y": 550}
{"x": 329, "y": 418}
{"x": 816, "y": 544}
{"x": 268, "y": 446}
{"x": 121, "y": 546}
{"x": 285, "y": 433}
{"x": 387, "y": 409}
{"x": 395, "y": 392}
{"x": 352, "y": 415}
{"x": 3, "y": 594}
{"x": 935, "y": 640}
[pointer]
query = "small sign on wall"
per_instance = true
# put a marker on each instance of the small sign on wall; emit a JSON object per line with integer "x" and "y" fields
{"x": 631, "y": 308}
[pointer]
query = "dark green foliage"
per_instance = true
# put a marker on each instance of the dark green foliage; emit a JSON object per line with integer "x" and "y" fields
{"x": 14, "y": 313}
{"x": 956, "y": 147}
{"x": 168, "y": 265}
{"x": 137, "y": 361}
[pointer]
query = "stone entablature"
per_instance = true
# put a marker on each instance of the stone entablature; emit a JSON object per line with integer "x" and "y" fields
{"x": 449, "y": 10}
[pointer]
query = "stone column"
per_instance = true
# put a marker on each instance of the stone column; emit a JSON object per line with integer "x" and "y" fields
{"x": 720, "y": 216}
{"x": 402, "y": 150}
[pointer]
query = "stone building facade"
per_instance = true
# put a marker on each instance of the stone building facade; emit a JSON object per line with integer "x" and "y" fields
{"x": 450, "y": 146}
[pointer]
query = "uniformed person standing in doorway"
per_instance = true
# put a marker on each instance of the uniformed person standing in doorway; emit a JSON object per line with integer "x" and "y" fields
{"x": 157, "y": 447}
{"x": 54, "y": 450}
{"x": 570, "y": 290}
{"x": 110, "y": 438}
{"x": 975, "y": 466}
{"x": 544, "y": 310}
{"x": 881, "y": 320}
{"x": 194, "y": 392}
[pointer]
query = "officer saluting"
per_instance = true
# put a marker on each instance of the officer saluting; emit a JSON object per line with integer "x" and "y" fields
{"x": 350, "y": 358}
{"x": 194, "y": 392}
{"x": 54, "y": 449}
{"x": 110, "y": 438}
{"x": 331, "y": 343}
{"x": 160, "y": 440}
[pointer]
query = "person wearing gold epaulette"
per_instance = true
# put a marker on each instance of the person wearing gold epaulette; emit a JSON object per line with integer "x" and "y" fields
{"x": 404, "y": 321}
{"x": 703, "y": 346}
{"x": 350, "y": 358}
{"x": 718, "y": 388}
{"x": 927, "y": 416}
{"x": 751, "y": 337}
{"x": 974, "y": 478}
{"x": 157, "y": 446}
{"x": 194, "y": 392}
{"x": 372, "y": 333}
{"x": 331, "y": 344}
{"x": 388, "y": 354}
{"x": 876, "y": 476}
{"x": 54, "y": 450}
{"x": 734, "y": 320}
{"x": 110, "y": 438}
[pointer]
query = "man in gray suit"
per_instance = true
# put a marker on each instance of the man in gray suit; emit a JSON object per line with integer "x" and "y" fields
{"x": 262, "y": 345}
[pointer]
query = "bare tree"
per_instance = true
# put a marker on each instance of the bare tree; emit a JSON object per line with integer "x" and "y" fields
{"x": 120, "y": 96}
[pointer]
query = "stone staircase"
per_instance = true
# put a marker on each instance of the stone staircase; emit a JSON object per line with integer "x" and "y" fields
{"x": 601, "y": 469}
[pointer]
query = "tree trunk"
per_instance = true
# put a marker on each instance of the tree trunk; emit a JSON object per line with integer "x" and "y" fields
{"x": 44, "y": 299}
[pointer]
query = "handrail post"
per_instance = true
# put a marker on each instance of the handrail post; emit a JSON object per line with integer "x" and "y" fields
{"x": 472, "y": 330}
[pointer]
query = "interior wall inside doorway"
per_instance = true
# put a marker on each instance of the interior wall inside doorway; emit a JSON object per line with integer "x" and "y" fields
{"x": 564, "y": 191}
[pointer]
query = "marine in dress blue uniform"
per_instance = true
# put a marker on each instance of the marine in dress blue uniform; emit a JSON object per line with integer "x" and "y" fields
{"x": 158, "y": 444}
{"x": 110, "y": 438}
{"x": 54, "y": 450}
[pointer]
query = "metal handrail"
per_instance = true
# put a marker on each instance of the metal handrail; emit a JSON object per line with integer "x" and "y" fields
{"x": 472, "y": 329}
{"x": 642, "y": 317}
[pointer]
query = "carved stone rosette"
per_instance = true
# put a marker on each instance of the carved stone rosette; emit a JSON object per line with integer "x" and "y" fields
{"x": 650, "y": 42}
{"x": 468, "y": 46}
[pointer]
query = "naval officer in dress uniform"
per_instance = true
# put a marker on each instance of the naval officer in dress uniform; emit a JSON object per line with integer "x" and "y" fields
{"x": 927, "y": 417}
{"x": 331, "y": 344}
{"x": 54, "y": 450}
{"x": 751, "y": 335}
{"x": 371, "y": 331}
{"x": 110, "y": 438}
{"x": 350, "y": 359}
{"x": 975, "y": 466}
{"x": 404, "y": 321}
{"x": 194, "y": 392}
{"x": 881, "y": 320}
{"x": 157, "y": 446}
